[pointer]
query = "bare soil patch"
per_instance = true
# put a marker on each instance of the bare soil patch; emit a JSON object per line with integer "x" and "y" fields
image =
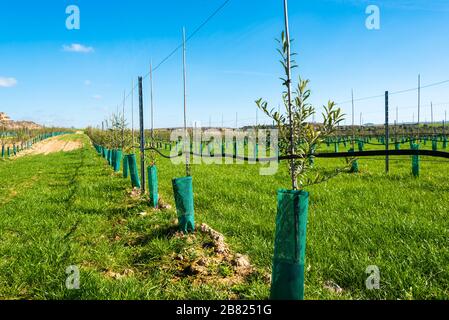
{"x": 52, "y": 145}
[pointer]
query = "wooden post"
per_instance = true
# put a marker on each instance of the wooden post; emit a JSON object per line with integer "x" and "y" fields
{"x": 142, "y": 138}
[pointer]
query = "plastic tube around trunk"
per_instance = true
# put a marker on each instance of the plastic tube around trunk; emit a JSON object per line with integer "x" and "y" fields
{"x": 183, "y": 191}
{"x": 290, "y": 245}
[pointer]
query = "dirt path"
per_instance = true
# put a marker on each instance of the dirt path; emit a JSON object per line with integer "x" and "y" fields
{"x": 55, "y": 144}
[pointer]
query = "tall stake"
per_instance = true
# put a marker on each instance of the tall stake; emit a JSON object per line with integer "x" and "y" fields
{"x": 396, "y": 126}
{"x": 444, "y": 123}
{"x": 151, "y": 97}
{"x": 419, "y": 102}
{"x": 132, "y": 112}
{"x": 142, "y": 138}
{"x": 123, "y": 120}
{"x": 387, "y": 134}
{"x": 353, "y": 121}
{"x": 289, "y": 96}
{"x": 431, "y": 112}
{"x": 236, "y": 120}
{"x": 187, "y": 154}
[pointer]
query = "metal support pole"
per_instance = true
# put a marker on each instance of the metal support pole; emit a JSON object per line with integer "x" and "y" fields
{"x": 419, "y": 102}
{"x": 289, "y": 97}
{"x": 132, "y": 112}
{"x": 151, "y": 97}
{"x": 387, "y": 134}
{"x": 186, "y": 141}
{"x": 353, "y": 121}
{"x": 123, "y": 121}
{"x": 142, "y": 138}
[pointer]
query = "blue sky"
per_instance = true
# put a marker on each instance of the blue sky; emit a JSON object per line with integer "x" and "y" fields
{"x": 231, "y": 62}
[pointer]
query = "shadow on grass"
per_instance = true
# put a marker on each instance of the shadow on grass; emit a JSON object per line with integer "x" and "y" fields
{"x": 164, "y": 232}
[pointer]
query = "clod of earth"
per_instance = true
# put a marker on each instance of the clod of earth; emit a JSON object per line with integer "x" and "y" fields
{"x": 333, "y": 287}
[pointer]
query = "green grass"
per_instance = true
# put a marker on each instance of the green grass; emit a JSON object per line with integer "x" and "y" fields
{"x": 396, "y": 222}
{"x": 70, "y": 209}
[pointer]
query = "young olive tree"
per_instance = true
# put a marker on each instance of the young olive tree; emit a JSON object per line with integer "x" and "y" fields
{"x": 295, "y": 132}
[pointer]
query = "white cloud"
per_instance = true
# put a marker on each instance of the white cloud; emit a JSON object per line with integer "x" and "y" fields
{"x": 7, "y": 82}
{"x": 76, "y": 47}
{"x": 87, "y": 82}
{"x": 97, "y": 97}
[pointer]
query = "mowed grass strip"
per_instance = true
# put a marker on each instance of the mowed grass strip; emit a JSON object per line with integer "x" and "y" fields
{"x": 396, "y": 222}
{"x": 79, "y": 213}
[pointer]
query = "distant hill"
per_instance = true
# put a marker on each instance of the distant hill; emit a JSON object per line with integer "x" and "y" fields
{"x": 8, "y": 124}
{"x": 23, "y": 124}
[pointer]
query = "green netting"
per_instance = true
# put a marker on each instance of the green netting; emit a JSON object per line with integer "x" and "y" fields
{"x": 113, "y": 158}
{"x": 118, "y": 159}
{"x": 361, "y": 145}
{"x": 108, "y": 156}
{"x": 132, "y": 163}
{"x": 415, "y": 161}
{"x": 355, "y": 164}
{"x": 183, "y": 191}
{"x": 434, "y": 145}
{"x": 125, "y": 167}
{"x": 290, "y": 245}
{"x": 153, "y": 186}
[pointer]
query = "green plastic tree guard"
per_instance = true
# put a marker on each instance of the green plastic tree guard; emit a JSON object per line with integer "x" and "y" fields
{"x": 118, "y": 159}
{"x": 360, "y": 145}
{"x": 415, "y": 161}
{"x": 132, "y": 163}
{"x": 125, "y": 167}
{"x": 153, "y": 186}
{"x": 290, "y": 245}
{"x": 113, "y": 158}
{"x": 3, "y": 151}
{"x": 110, "y": 157}
{"x": 434, "y": 145}
{"x": 355, "y": 163}
{"x": 336, "y": 147}
{"x": 183, "y": 191}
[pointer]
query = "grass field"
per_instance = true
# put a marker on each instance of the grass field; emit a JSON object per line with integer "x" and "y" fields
{"x": 70, "y": 209}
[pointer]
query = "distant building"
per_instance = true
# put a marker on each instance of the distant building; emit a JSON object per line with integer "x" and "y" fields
{"x": 4, "y": 117}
